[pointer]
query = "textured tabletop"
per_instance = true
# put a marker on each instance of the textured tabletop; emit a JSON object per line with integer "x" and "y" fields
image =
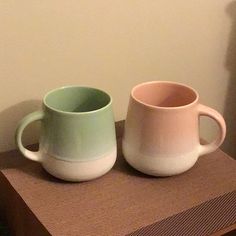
{"x": 122, "y": 202}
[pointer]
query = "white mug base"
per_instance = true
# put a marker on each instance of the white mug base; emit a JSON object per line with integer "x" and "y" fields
{"x": 160, "y": 165}
{"x": 77, "y": 171}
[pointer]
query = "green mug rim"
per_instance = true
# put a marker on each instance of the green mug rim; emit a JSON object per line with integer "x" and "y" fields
{"x": 76, "y": 113}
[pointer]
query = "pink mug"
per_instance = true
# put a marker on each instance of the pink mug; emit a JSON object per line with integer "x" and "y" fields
{"x": 161, "y": 135}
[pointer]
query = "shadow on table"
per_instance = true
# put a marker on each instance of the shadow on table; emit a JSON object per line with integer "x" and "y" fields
{"x": 15, "y": 160}
{"x": 4, "y": 231}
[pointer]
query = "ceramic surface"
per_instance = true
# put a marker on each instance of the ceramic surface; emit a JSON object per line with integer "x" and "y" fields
{"x": 161, "y": 135}
{"x": 78, "y": 133}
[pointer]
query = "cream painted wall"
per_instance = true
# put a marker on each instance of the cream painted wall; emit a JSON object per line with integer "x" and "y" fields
{"x": 112, "y": 45}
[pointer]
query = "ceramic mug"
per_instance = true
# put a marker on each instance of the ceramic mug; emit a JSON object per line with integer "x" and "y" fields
{"x": 78, "y": 139}
{"x": 161, "y": 135}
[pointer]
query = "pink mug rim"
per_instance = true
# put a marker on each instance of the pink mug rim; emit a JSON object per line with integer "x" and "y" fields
{"x": 163, "y": 107}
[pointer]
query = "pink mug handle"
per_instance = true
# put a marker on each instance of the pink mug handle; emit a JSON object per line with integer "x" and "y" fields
{"x": 211, "y": 147}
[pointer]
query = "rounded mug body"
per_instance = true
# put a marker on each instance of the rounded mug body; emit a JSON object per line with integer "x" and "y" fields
{"x": 77, "y": 140}
{"x": 161, "y": 136}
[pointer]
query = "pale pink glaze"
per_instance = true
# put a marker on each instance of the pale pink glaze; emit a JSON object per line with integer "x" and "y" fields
{"x": 163, "y": 122}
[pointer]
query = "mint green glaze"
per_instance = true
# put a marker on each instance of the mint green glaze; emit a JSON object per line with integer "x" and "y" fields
{"x": 77, "y": 124}
{"x": 76, "y": 99}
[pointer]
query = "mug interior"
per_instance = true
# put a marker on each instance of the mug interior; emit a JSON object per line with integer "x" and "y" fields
{"x": 164, "y": 94}
{"x": 77, "y": 99}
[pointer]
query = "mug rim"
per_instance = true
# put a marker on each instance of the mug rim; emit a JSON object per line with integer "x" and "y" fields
{"x": 164, "y": 107}
{"x": 75, "y": 113}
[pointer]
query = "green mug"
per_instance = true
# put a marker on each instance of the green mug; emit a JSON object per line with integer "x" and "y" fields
{"x": 77, "y": 141}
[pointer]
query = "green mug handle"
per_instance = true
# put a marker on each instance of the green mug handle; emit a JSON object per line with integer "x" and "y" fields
{"x": 34, "y": 156}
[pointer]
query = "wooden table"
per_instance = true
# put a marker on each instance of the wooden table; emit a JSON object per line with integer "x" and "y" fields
{"x": 123, "y": 202}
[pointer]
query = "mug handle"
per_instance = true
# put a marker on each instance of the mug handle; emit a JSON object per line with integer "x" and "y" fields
{"x": 37, "y": 115}
{"x": 211, "y": 147}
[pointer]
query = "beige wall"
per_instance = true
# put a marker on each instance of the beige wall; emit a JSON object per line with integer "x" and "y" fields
{"x": 112, "y": 45}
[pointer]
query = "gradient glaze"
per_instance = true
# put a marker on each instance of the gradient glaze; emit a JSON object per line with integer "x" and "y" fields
{"x": 77, "y": 139}
{"x": 162, "y": 128}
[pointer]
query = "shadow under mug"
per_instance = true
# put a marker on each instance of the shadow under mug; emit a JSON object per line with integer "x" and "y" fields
{"x": 77, "y": 141}
{"x": 161, "y": 136}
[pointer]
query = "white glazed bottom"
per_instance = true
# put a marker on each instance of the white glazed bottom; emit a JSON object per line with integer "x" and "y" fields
{"x": 161, "y": 165}
{"x": 79, "y": 170}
